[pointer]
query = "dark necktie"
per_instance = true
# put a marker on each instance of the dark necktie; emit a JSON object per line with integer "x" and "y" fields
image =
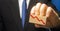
{"x": 24, "y": 6}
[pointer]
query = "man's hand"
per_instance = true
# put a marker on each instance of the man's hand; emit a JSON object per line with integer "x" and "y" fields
{"x": 44, "y": 10}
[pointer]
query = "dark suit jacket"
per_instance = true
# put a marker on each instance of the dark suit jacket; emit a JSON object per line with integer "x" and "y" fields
{"x": 9, "y": 16}
{"x": 10, "y": 19}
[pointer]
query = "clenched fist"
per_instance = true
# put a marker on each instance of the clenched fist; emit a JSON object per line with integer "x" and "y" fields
{"x": 44, "y": 10}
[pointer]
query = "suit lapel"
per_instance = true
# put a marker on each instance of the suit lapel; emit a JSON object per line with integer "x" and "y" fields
{"x": 16, "y": 14}
{"x": 13, "y": 15}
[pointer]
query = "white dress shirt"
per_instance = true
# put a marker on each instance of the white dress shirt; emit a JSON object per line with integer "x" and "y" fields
{"x": 20, "y": 6}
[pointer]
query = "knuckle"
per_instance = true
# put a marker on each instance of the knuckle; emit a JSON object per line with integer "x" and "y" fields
{"x": 49, "y": 9}
{"x": 38, "y": 4}
{"x": 32, "y": 10}
{"x": 44, "y": 5}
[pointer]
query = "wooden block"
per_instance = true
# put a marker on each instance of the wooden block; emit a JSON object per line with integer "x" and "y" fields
{"x": 41, "y": 20}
